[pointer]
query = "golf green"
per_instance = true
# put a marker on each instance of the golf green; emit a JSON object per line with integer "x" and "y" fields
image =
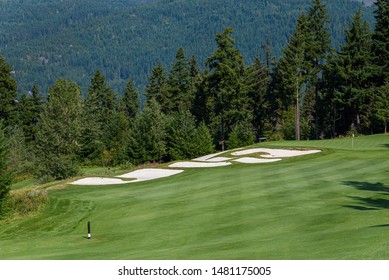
{"x": 329, "y": 205}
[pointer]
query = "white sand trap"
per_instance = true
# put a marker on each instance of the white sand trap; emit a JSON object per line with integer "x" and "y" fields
{"x": 207, "y": 157}
{"x": 275, "y": 152}
{"x": 256, "y": 160}
{"x": 192, "y": 164}
{"x": 218, "y": 159}
{"x": 149, "y": 174}
{"x": 97, "y": 181}
{"x": 138, "y": 176}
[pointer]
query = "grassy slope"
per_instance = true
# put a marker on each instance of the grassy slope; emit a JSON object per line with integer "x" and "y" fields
{"x": 331, "y": 205}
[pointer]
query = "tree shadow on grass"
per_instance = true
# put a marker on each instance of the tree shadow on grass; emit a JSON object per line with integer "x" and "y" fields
{"x": 369, "y": 203}
{"x": 366, "y": 186}
{"x": 380, "y": 226}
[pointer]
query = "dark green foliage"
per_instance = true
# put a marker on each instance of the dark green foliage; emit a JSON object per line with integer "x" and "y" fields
{"x": 8, "y": 94}
{"x": 58, "y": 135}
{"x": 5, "y": 174}
{"x": 226, "y": 101}
{"x": 29, "y": 109}
{"x": 180, "y": 82}
{"x": 130, "y": 102}
{"x": 380, "y": 46}
{"x": 243, "y": 134}
{"x": 293, "y": 68}
{"x": 381, "y": 105}
{"x": 157, "y": 88}
{"x": 147, "y": 137}
{"x": 126, "y": 39}
{"x": 353, "y": 72}
{"x": 256, "y": 85}
{"x": 181, "y": 133}
{"x": 184, "y": 139}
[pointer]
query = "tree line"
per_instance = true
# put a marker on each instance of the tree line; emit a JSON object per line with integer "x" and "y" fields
{"x": 312, "y": 92}
{"x": 72, "y": 39}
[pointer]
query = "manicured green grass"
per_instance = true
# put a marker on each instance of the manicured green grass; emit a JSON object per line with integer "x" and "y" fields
{"x": 330, "y": 205}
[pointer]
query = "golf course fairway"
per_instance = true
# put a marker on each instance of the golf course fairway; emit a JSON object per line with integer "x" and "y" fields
{"x": 329, "y": 205}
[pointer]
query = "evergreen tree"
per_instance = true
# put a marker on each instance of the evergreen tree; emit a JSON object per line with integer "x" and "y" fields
{"x": 158, "y": 88}
{"x": 256, "y": 86}
{"x": 241, "y": 135}
{"x": 92, "y": 147}
{"x": 29, "y": 110}
{"x": 59, "y": 129}
{"x": 226, "y": 100}
{"x": 5, "y": 174}
{"x": 318, "y": 47}
{"x": 184, "y": 139}
{"x": 380, "y": 46}
{"x": 179, "y": 82}
{"x": 8, "y": 94}
{"x": 353, "y": 73}
{"x": 181, "y": 132}
{"x": 292, "y": 69}
{"x": 147, "y": 137}
{"x": 203, "y": 141}
{"x": 381, "y": 105}
{"x": 130, "y": 102}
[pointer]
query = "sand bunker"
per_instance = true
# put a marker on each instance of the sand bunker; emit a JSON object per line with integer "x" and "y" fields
{"x": 212, "y": 160}
{"x": 256, "y": 160}
{"x": 281, "y": 153}
{"x": 193, "y": 164}
{"x": 138, "y": 176}
{"x": 149, "y": 174}
{"x": 94, "y": 181}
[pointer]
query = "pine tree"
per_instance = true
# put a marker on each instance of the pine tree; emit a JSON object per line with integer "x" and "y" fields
{"x": 318, "y": 48}
{"x": 147, "y": 137}
{"x": 130, "y": 102}
{"x": 354, "y": 73}
{"x": 293, "y": 67}
{"x": 157, "y": 88}
{"x": 256, "y": 86}
{"x": 8, "y": 94}
{"x": 381, "y": 105}
{"x": 59, "y": 129}
{"x": 29, "y": 110}
{"x": 5, "y": 174}
{"x": 179, "y": 82}
{"x": 226, "y": 100}
{"x": 181, "y": 132}
{"x": 380, "y": 48}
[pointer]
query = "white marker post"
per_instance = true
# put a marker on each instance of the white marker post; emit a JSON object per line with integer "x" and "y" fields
{"x": 352, "y": 142}
{"x": 89, "y": 236}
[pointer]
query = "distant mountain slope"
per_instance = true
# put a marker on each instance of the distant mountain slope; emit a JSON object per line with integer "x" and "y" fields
{"x": 44, "y": 40}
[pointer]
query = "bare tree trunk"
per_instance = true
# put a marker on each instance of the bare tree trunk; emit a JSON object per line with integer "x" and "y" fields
{"x": 297, "y": 133}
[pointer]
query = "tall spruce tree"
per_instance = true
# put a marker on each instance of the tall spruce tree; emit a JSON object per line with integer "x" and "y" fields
{"x": 256, "y": 85}
{"x": 179, "y": 82}
{"x": 147, "y": 137}
{"x": 318, "y": 49}
{"x": 29, "y": 110}
{"x": 292, "y": 69}
{"x": 8, "y": 94}
{"x": 226, "y": 100}
{"x": 130, "y": 102}
{"x": 381, "y": 105}
{"x": 59, "y": 129}
{"x": 380, "y": 48}
{"x": 353, "y": 72}
{"x": 157, "y": 88}
{"x": 5, "y": 174}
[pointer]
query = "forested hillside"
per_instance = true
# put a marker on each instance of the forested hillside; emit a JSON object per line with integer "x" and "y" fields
{"x": 312, "y": 92}
{"x": 44, "y": 40}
